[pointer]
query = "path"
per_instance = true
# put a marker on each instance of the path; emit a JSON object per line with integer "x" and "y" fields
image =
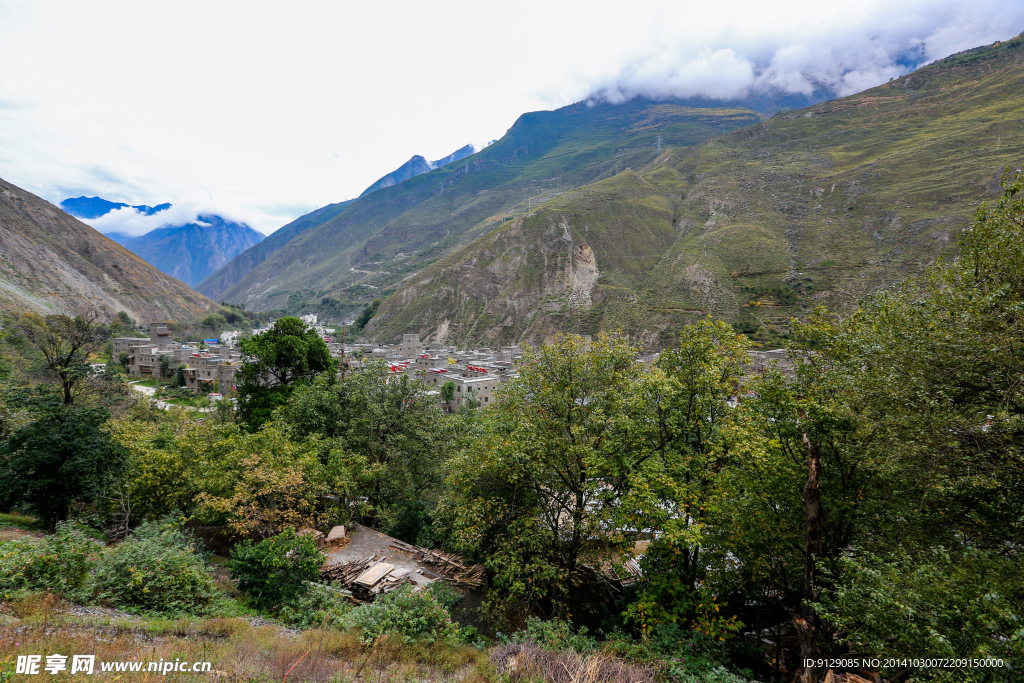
{"x": 163, "y": 405}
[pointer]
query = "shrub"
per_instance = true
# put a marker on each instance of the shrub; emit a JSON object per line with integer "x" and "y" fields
{"x": 275, "y": 571}
{"x": 60, "y": 562}
{"x": 318, "y": 606}
{"x": 689, "y": 656}
{"x": 157, "y": 569}
{"x": 555, "y": 635}
{"x": 411, "y": 615}
{"x": 445, "y": 595}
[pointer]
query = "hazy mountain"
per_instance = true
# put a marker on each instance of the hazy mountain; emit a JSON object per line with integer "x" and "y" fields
{"x": 189, "y": 252}
{"x": 193, "y": 251}
{"x": 243, "y": 264}
{"x": 818, "y": 205}
{"x": 94, "y": 207}
{"x": 51, "y": 262}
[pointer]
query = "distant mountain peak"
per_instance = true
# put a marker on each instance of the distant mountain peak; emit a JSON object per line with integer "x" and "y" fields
{"x": 189, "y": 251}
{"x": 417, "y": 165}
{"x": 94, "y": 207}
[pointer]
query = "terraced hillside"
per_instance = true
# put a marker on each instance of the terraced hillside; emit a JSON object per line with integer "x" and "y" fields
{"x": 371, "y": 245}
{"x": 50, "y": 262}
{"x": 819, "y": 205}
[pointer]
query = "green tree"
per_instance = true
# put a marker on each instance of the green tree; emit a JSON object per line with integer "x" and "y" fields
{"x": 63, "y": 344}
{"x": 393, "y": 423}
{"x": 165, "y": 366}
{"x": 64, "y": 455}
{"x": 368, "y": 312}
{"x": 288, "y": 353}
{"x": 448, "y": 394}
{"x": 686, "y": 400}
{"x": 535, "y": 494}
{"x": 905, "y": 422}
{"x": 275, "y": 571}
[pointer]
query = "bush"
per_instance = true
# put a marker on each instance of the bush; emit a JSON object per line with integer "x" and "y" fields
{"x": 445, "y": 595}
{"x": 555, "y": 635}
{"x": 318, "y": 606}
{"x": 275, "y": 572}
{"x": 404, "y": 612}
{"x": 157, "y": 569}
{"x": 689, "y": 656}
{"x": 60, "y": 563}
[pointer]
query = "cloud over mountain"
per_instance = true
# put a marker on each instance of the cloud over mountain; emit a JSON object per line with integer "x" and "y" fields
{"x": 801, "y": 48}
{"x": 129, "y": 221}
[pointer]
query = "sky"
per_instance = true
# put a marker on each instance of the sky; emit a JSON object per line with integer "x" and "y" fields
{"x": 261, "y": 112}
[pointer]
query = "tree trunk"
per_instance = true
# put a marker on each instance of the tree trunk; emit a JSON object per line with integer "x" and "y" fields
{"x": 806, "y": 621}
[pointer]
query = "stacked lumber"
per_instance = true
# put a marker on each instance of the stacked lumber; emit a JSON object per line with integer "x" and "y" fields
{"x": 366, "y": 578}
{"x": 451, "y": 568}
{"x": 346, "y": 572}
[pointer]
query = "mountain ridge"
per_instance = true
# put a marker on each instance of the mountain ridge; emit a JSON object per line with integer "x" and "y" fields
{"x": 193, "y": 251}
{"x": 51, "y": 262}
{"x": 820, "y": 205}
{"x": 375, "y": 241}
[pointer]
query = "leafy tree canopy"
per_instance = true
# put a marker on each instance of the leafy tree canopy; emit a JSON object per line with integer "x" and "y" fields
{"x": 275, "y": 360}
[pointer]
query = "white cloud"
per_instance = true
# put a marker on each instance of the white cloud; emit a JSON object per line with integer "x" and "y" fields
{"x": 130, "y": 221}
{"x": 803, "y": 46}
{"x": 266, "y": 112}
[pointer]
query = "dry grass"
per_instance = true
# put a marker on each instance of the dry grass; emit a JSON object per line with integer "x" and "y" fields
{"x": 237, "y": 650}
{"x": 529, "y": 662}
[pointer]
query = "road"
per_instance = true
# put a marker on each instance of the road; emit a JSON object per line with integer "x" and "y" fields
{"x": 163, "y": 405}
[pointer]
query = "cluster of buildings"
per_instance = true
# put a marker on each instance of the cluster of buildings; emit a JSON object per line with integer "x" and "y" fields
{"x": 206, "y": 369}
{"x": 475, "y": 374}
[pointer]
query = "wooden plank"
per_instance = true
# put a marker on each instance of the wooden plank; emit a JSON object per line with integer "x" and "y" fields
{"x": 374, "y": 574}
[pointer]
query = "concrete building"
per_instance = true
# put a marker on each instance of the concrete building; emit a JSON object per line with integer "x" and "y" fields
{"x": 203, "y": 369}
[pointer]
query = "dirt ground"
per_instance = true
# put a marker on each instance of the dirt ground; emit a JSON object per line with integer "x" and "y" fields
{"x": 366, "y": 542}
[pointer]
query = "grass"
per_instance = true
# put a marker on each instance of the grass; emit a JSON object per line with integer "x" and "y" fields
{"x": 191, "y": 401}
{"x": 18, "y": 521}
{"x": 238, "y": 649}
{"x": 248, "y": 649}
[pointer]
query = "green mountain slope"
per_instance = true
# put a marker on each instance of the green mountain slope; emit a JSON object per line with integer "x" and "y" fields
{"x": 244, "y": 263}
{"x": 374, "y": 243}
{"x": 819, "y": 205}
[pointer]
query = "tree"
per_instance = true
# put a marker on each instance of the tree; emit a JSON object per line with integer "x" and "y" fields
{"x": 368, "y": 312}
{"x": 64, "y": 344}
{"x": 263, "y": 483}
{"x": 448, "y": 394}
{"x": 686, "y": 398}
{"x": 65, "y": 455}
{"x": 286, "y": 354}
{"x": 905, "y": 421}
{"x": 165, "y": 366}
{"x": 395, "y": 425}
{"x": 535, "y": 494}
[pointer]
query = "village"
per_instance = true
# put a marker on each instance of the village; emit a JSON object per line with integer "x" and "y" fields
{"x": 210, "y": 366}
